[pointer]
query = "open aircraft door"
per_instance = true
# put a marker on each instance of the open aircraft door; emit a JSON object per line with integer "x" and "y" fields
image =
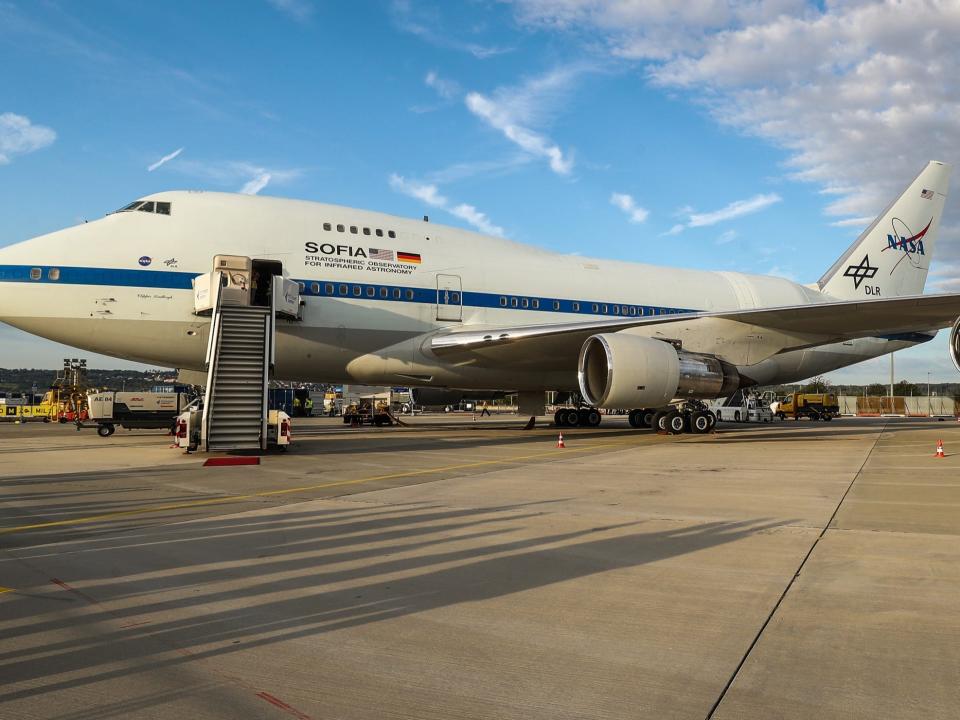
{"x": 449, "y": 298}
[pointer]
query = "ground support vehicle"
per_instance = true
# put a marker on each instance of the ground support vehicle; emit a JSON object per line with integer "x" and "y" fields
{"x": 186, "y": 431}
{"x": 135, "y": 410}
{"x": 816, "y": 406}
{"x": 368, "y": 413}
{"x": 742, "y": 407}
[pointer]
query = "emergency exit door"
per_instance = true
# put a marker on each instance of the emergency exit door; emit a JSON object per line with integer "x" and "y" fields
{"x": 449, "y": 298}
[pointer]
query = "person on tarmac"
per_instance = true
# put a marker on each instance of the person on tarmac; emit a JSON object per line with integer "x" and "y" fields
{"x": 308, "y": 406}
{"x": 484, "y": 409}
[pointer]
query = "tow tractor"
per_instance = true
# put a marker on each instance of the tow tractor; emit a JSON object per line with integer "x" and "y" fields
{"x": 186, "y": 431}
{"x": 135, "y": 410}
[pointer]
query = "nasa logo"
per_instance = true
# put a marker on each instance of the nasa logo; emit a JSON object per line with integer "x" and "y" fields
{"x": 338, "y": 250}
{"x": 145, "y": 260}
{"x": 900, "y": 240}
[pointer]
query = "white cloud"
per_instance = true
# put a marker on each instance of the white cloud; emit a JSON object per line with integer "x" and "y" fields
{"x": 427, "y": 27}
{"x": 499, "y": 116}
{"x": 727, "y": 237}
{"x": 629, "y": 206}
{"x": 675, "y": 230}
{"x": 785, "y": 273}
{"x": 164, "y": 160}
{"x": 19, "y": 136}
{"x": 733, "y": 210}
{"x": 299, "y": 10}
{"x": 256, "y": 184}
{"x": 430, "y": 195}
{"x": 861, "y": 222}
{"x": 447, "y": 89}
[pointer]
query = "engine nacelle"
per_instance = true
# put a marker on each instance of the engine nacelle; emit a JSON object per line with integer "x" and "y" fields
{"x": 955, "y": 344}
{"x": 616, "y": 370}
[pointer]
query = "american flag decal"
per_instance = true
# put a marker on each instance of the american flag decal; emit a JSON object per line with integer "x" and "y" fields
{"x": 376, "y": 254}
{"x": 926, "y": 194}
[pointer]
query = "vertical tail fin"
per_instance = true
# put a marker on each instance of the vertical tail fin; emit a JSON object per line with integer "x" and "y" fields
{"x": 892, "y": 256}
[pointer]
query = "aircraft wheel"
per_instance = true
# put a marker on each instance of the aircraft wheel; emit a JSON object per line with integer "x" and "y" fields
{"x": 593, "y": 417}
{"x": 814, "y": 416}
{"x": 572, "y": 418}
{"x": 700, "y": 422}
{"x": 635, "y": 418}
{"x": 713, "y": 419}
{"x": 736, "y": 416}
{"x": 673, "y": 422}
{"x": 105, "y": 430}
{"x": 558, "y": 418}
{"x": 658, "y": 419}
{"x": 647, "y": 417}
{"x": 827, "y": 418}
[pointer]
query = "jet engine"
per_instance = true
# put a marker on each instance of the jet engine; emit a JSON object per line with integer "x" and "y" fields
{"x": 629, "y": 371}
{"x": 955, "y": 344}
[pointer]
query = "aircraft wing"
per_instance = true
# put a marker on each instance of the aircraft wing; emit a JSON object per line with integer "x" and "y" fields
{"x": 813, "y": 324}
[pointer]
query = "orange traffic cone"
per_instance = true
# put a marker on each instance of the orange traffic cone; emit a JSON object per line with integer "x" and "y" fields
{"x": 560, "y": 441}
{"x": 939, "y": 452}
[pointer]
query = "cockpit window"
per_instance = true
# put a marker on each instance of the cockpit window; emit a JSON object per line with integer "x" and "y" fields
{"x": 160, "y": 208}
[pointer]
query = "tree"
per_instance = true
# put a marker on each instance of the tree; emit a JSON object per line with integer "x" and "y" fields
{"x": 819, "y": 384}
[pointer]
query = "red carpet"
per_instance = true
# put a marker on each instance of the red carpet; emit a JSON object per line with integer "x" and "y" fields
{"x": 217, "y": 462}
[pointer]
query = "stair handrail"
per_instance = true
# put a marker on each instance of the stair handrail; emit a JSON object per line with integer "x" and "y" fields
{"x": 269, "y": 356}
{"x": 213, "y": 342}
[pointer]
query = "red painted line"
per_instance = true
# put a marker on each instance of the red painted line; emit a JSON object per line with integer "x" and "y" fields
{"x": 82, "y": 594}
{"x": 220, "y": 462}
{"x": 282, "y": 705}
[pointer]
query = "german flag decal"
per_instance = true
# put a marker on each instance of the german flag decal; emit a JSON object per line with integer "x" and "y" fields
{"x": 408, "y": 257}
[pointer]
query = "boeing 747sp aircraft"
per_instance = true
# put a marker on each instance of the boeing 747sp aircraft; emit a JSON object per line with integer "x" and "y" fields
{"x": 388, "y": 300}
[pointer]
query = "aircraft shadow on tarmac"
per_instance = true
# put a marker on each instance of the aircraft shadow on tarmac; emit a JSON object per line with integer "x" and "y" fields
{"x": 183, "y": 571}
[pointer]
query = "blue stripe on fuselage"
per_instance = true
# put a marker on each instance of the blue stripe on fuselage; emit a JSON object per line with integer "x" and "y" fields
{"x": 175, "y": 280}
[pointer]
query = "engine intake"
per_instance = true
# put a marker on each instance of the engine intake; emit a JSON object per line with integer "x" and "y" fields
{"x": 616, "y": 370}
{"x": 955, "y": 344}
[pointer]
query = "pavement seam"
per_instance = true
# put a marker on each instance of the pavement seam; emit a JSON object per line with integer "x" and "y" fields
{"x": 793, "y": 578}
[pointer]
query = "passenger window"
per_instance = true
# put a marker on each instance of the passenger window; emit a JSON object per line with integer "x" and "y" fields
{"x": 53, "y": 274}
{"x": 576, "y": 307}
{"x": 379, "y": 232}
{"x": 503, "y": 301}
{"x": 391, "y": 234}
{"x": 454, "y": 298}
{"x": 513, "y": 302}
{"x": 633, "y": 310}
{"x": 616, "y": 309}
{"x": 604, "y": 309}
{"x": 353, "y": 229}
{"x": 163, "y": 208}
{"x": 340, "y": 228}
{"x": 535, "y": 303}
{"x": 328, "y": 288}
{"x": 315, "y": 288}
{"x": 396, "y": 294}
{"x": 366, "y": 231}
{"x": 36, "y": 273}
{"x": 371, "y": 292}
{"x": 525, "y": 303}
{"x": 384, "y": 292}
{"x": 595, "y": 308}
{"x": 357, "y": 291}
{"x": 343, "y": 290}
{"x": 409, "y": 293}
{"x": 556, "y": 304}
{"x": 326, "y": 226}
{"x": 301, "y": 286}
{"x": 146, "y": 207}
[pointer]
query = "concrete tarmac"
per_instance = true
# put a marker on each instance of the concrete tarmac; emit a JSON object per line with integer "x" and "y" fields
{"x": 470, "y": 569}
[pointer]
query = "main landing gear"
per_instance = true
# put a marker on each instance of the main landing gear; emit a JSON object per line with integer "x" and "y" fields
{"x": 577, "y": 417}
{"x": 690, "y": 416}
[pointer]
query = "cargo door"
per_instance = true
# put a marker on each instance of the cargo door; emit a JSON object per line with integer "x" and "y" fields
{"x": 449, "y": 298}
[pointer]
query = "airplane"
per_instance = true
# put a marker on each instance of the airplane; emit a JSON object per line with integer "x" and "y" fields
{"x": 387, "y": 300}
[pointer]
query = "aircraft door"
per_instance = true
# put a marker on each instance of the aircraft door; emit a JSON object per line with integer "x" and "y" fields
{"x": 449, "y": 298}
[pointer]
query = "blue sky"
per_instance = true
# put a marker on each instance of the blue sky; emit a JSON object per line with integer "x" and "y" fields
{"x": 697, "y": 137}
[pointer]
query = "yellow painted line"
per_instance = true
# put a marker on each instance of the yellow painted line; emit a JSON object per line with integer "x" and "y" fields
{"x": 287, "y": 491}
{"x": 5, "y": 590}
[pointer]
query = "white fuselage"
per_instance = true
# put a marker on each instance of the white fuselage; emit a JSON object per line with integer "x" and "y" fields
{"x": 122, "y": 286}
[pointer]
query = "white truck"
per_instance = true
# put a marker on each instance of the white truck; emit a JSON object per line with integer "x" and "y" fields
{"x": 134, "y": 410}
{"x": 743, "y": 406}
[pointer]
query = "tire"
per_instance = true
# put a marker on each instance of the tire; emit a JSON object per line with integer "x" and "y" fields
{"x": 647, "y": 417}
{"x": 700, "y": 423}
{"x": 105, "y": 430}
{"x": 572, "y": 418}
{"x": 713, "y": 419}
{"x": 635, "y": 418}
{"x": 827, "y": 418}
{"x": 593, "y": 418}
{"x": 736, "y": 416}
{"x": 673, "y": 423}
{"x": 558, "y": 418}
{"x": 658, "y": 418}
{"x": 814, "y": 417}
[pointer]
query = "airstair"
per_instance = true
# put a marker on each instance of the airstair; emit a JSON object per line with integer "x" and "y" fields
{"x": 240, "y": 349}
